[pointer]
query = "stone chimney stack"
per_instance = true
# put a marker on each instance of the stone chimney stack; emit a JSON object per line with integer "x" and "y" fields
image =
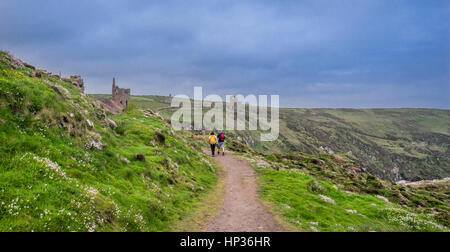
{"x": 114, "y": 88}
{"x": 234, "y": 102}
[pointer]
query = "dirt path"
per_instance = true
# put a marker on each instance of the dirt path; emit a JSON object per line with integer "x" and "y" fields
{"x": 241, "y": 211}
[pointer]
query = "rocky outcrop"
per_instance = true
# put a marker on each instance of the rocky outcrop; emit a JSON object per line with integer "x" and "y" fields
{"x": 77, "y": 81}
{"x": 15, "y": 62}
{"x": 62, "y": 91}
{"x": 112, "y": 106}
{"x": 423, "y": 182}
{"x": 151, "y": 113}
{"x": 327, "y": 199}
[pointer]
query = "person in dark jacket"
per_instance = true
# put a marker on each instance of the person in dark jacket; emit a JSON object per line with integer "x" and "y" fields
{"x": 221, "y": 143}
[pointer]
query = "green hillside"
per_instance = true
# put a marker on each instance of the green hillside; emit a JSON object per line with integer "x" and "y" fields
{"x": 323, "y": 193}
{"x": 393, "y": 144}
{"x": 64, "y": 166}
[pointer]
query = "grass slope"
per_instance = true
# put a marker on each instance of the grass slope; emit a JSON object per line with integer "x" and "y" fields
{"x": 330, "y": 193}
{"x": 64, "y": 168}
{"x": 394, "y": 144}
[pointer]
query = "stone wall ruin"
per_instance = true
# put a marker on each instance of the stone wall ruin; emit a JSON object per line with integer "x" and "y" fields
{"x": 120, "y": 95}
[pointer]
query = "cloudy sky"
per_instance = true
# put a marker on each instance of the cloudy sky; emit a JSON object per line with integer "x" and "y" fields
{"x": 316, "y": 53}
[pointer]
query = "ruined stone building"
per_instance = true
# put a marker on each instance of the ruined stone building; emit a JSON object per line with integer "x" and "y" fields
{"x": 119, "y": 101}
{"x": 120, "y": 95}
{"x": 234, "y": 102}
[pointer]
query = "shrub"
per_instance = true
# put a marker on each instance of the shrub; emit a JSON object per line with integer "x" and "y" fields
{"x": 140, "y": 157}
{"x": 161, "y": 138}
{"x": 120, "y": 130}
{"x": 128, "y": 173}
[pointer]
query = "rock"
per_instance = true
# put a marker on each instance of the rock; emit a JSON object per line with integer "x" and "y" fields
{"x": 94, "y": 145}
{"x": 383, "y": 198}
{"x": 96, "y": 136}
{"x": 403, "y": 198}
{"x": 315, "y": 187}
{"x": 112, "y": 123}
{"x": 29, "y": 66}
{"x": 262, "y": 164}
{"x": 15, "y": 63}
{"x": 327, "y": 199}
{"x": 101, "y": 115}
{"x": 423, "y": 182}
{"x": 191, "y": 185}
{"x": 62, "y": 91}
{"x": 77, "y": 81}
{"x": 140, "y": 157}
{"x": 151, "y": 113}
{"x": 90, "y": 124}
{"x": 37, "y": 75}
{"x": 125, "y": 160}
{"x": 351, "y": 211}
{"x": 318, "y": 162}
{"x": 326, "y": 150}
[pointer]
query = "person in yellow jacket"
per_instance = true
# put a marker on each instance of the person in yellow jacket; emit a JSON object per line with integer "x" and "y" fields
{"x": 212, "y": 142}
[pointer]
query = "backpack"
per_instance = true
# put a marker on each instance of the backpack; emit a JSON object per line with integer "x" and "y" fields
{"x": 221, "y": 137}
{"x": 212, "y": 139}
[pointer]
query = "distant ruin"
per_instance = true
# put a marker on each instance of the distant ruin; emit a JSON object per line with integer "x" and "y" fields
{"x": 120, "y": 95}
{"x": 119, "y": 101}
{"x": 234, "y": 102}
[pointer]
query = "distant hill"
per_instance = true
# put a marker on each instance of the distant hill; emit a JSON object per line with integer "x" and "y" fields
{"x": 394, "y": 144}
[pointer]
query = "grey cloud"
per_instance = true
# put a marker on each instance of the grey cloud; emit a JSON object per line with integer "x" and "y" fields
{"x": 286, "y": 47}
